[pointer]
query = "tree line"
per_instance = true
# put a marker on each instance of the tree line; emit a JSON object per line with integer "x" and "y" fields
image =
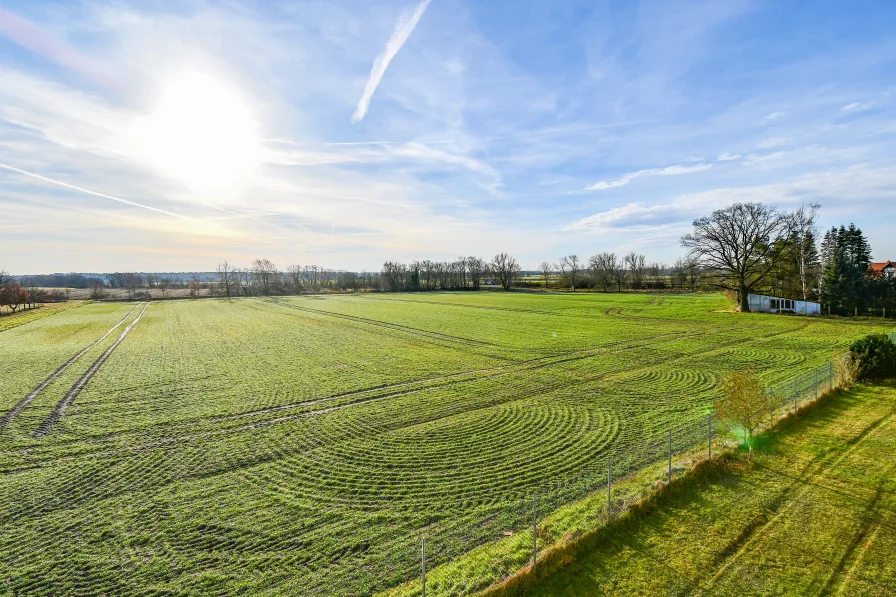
{"x": 755, "y": 248}
{"x": 15, "y": 296}
{"x": 743, "y": 248}
{"x": 264, "y": 278}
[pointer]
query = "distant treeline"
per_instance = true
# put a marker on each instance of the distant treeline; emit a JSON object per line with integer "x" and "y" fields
{"x": 59, "y": 281}
{"x": 743, "y": 248}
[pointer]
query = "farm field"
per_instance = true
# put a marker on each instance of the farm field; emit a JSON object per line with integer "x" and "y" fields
{"x": 9, "y": 320}
{"x": 813, "y": 514}
{"x": 302, "y": 445}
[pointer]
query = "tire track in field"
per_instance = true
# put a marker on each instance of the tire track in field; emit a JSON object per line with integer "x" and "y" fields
{"x": 132, "y": 446}
{"x": 372, "y": 394}
{"x": 54, "y": 417}
{"x": 369, "y": 396}
{"x": 394, "y": 326}
{"x": 15, "y": 410}
{"x": 783, "y": 503}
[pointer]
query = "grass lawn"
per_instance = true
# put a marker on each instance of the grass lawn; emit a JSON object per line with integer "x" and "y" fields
{"x": 813, "y": 514}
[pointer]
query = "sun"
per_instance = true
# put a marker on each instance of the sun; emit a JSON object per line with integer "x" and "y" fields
{"x": 201, "y": 133}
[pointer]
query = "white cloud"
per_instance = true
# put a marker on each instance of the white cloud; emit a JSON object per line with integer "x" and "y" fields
{"x": 857, "y": 183}
{"x": 403, "y": 29}
{"x": 774, "y": 142}
{"x": 772, "y": 116}
{"x": 758, "y": 159}
{"x": 667, "y": 171}
{"x": 727, "y": 157}
{"x": 857, "y": 106}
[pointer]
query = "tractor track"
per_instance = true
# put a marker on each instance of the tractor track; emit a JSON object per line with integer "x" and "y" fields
{"x": 20, "y": 406}
{"x": 54, "y": 417}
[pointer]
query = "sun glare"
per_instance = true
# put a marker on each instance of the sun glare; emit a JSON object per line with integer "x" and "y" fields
{"x": 201, "y": 133}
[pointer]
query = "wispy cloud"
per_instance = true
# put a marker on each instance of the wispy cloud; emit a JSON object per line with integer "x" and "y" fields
{"x": 28, "y": 35}
{"x": 727, "y": 157}
{"x": 772, "y": 116}
{"x": 858, "y": 183}
{"x": 667, "y": 171}
{"x": 774, "y": 142}
{"x": 403, "y": 29}
{"x": 857, "y": 106}
{"x": 758, "y": 159}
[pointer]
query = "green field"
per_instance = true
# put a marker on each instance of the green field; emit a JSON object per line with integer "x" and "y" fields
{"x": 301, "y": 446}
{"x": 813, "y": 514}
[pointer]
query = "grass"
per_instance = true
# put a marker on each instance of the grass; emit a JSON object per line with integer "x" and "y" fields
{"x": 301, "y": 446}
{"x": 9, "y": 320}
{"x": 813, "y": 513}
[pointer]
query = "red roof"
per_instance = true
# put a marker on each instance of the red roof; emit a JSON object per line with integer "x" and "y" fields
{"x": 880, "y": 267}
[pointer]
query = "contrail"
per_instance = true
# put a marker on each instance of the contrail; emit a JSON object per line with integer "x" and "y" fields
{"x": 403, "y": 29}
{"x": 97, "y": 194}
{"x": 133, "y": 203}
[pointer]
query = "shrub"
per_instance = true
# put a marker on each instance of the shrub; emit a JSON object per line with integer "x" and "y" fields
{"x": 846, "y": 371}
{"x": 874, "y": 357}
{"x": 745, "y": 401}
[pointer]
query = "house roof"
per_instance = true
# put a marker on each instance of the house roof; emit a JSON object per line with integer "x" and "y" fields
{"x": 879, "y": 267}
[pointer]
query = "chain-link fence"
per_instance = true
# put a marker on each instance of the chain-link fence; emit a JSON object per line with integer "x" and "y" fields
{"x": 479, "y": 551}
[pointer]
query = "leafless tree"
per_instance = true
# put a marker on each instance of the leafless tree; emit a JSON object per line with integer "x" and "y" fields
{"x": 195, "y": 285}
{"x": 263, "y": 273}
{"x": 570, "y": 267}
{"x": 740, "y": 244}
{"x": 603, "y": 267}
{"x": 96, "y": 291}
{"x": 228, "y": 277}
{"x": 505, "y": 269}
{"x": 294, "y": 273}
{"x": 478, "y": 269}
{"x": 805, "y": 231}
{"x": 546, "y": 269}
{"x": 164, "y": 284}
{"x": 634, "y": 263}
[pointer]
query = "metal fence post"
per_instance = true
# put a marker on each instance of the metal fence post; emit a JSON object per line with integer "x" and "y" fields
{"x": 831, "y": 376}
{"x": 670, "y": 455}
{"x": 710, "y": 437}
{"x": 609, "y": 489}
{"x": 423, "y": 562}
{"x": 534, "y": 534}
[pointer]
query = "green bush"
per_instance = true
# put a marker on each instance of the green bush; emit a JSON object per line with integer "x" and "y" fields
{"x": 875, "y": 357}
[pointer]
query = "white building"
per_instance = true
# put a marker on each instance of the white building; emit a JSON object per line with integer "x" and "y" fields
{"x": 760, "y": 303}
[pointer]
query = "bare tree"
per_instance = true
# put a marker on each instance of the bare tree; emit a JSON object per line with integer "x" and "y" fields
{"x": 294, "y": 272}
{"x": 164, "y": 284}
{"x": 478, "y": 269}
{"x": 6, "y": 290}
{"x": 571, "y": 267}
{"x": 805, "y": 231}
{"x": 195, "y": 285}
{"x": 228, "y": 277}
{"x": 634, "y": 262}
{"x": 618, "y": 273}
{"x": 505, "y": 269}
{"x": 740, "y": 244}
{"x": 602, "y": 267}
{"x": 96, "y": 291}
{"x": 546, "y": 269}
{"x": 263, "y": 273}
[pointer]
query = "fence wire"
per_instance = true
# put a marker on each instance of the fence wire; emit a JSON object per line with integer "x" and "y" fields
{"x": 607, "y": 488}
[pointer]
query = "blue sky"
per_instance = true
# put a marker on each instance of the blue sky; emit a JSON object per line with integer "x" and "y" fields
{"x": 171, "y": 136}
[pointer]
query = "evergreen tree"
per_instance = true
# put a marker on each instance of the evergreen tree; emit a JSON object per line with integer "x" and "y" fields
{"x": 846, "y": 258}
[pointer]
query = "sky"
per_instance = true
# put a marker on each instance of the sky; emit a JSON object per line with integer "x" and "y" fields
{"x": 171, "y": 136}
